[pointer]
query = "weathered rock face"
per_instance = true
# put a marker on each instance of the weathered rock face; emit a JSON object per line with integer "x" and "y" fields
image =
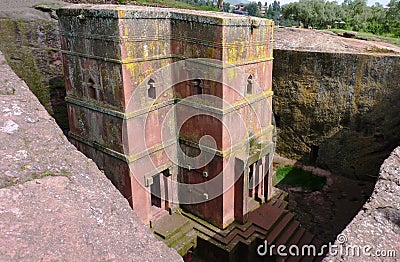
{"x": 338, "y": 110}
{"x": 30, "y": 43}
{"x": 55, "y": 204}
{"x": 375, "y": 230}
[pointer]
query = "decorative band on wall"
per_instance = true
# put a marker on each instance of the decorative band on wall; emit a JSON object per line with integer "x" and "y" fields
{"x": 145, "y": 110}
{"x": 120, "y": 156}
{"x": 234, "y": 149}
{"x": 160, "y": 57}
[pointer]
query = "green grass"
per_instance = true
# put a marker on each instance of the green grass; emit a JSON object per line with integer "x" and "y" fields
{"x": 297, "y": 177}
{"x": 51, "y": 5}
{"x": 371, "y": 37}
{"x": 170, "y": 3}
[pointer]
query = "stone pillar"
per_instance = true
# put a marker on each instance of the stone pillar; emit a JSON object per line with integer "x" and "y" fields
{"x": 172, "y": 180}
{"x": 141, "y": 202}
{"x": 268, "y": 177}
{"x": 260, "y": 186}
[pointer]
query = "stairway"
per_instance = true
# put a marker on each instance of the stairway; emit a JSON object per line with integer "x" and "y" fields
{"x": 271, "y": 222}
{"x": 239, "y": 242}
{"x": 157, "y": 213}
{"x": 177, "y": 232}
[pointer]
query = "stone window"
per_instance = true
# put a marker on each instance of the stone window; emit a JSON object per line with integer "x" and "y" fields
{"x": 251, "y": 179}
{"x": 249, "y": 88}
{"x": 197, "y": 89}
{"x": 160, "y": 195}
{"x": 151, "y": 89}
{"x": 91, "y": 90}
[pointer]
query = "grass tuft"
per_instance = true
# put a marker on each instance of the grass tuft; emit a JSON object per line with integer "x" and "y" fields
{"x": 298, "y": 177}
{"x": 169, "y": 3}
{"x": 388, "y": 38}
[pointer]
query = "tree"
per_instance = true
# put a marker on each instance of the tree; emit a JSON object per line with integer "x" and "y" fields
{"x": 252, "y": 8}
{"x": 308, "y": 12}
{"x": 376, "y": 21}
{"x": 274, "y": 11}
{"x": 220, "y": 5}
{"x": 314, "y": 13}
{"x": 393, "y": 17}
{"x": 356, "y": 14}
{"x": 226, "y": 7}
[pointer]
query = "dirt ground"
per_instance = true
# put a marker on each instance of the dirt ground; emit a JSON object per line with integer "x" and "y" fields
{"x": 326, "y": 213}
{"x": 325, "y": 41}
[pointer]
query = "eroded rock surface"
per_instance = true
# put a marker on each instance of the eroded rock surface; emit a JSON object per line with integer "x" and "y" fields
{"x": 55, "y": 204}
{"x": 336, "y": 108}
{"x": 327, "y": 42}
{"x": 30, "y": 42}
{"x": 378, "y": 224}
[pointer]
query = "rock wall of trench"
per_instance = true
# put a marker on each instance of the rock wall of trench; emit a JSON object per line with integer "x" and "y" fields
{"x": 337, "y": 110}
{"x": 31, "y": 48}
{"x": 55, "y": 204}
{"x": 374, "y": 231}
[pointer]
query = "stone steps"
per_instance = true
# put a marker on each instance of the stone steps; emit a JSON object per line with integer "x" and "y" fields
{"x": 187, "y": 229}
{"x": 253, "y": 205}
{"x": 184, "y": 243}
{"x": 177, "y": 232}
{"x": 305, "y": 239}
{"x": 228, "y": 236}
{"x": 168, "y": 226}
{"x": 271, "y": 222}
{"x": 287, "y": 233}
{"x": 279, "y": 203}
{"x": 295, "y": 238}
{"x": 279, "y": 229}
{"x": 259, "y": 218}
{"x": 235, "y": 235}
{"x": 278, "y": 194}
{"x": 157, "y": 213}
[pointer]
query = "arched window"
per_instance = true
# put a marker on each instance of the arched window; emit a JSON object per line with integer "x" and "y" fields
{"x": 91, "y": 91}
{"x": 198, "y": 90}
{"x": 151, "y": 89}
{"x": 249, "y": 89}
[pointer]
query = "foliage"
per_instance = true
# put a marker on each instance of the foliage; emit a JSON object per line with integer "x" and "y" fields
{"x": 386, "y": 37}
{"x": 226, "y": 7}
{"x": 393, "y": 17}
{"x": 350, "y": 15}
{"x": 353, "y": 15}
{"x": 207, "y": 5}
{"x": 253, "y": 9}
{"x": 274, "y": 11}
{"x": 297, "y": 177}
